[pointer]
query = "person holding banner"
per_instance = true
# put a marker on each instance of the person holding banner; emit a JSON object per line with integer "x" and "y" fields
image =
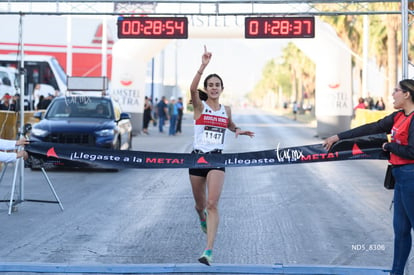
{"x": 400, "y": 124}
{"x": 11, "y": 145}
{"x": 211, "y": 121}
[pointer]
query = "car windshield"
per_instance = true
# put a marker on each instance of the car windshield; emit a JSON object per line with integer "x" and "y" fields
{"x": 80, "y": 107}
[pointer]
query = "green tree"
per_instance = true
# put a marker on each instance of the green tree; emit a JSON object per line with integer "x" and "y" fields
{"x": 384, "y": 39}
{"x": 291, "y": 76}
{"x": 386, "y": 45}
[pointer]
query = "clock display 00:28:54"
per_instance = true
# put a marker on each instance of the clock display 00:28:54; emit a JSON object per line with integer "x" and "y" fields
{"x": 153, "y": 27}
{"x": 279, "y": 27}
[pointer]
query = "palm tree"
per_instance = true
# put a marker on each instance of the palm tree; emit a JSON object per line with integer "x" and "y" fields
{"x": 293, "y": 74}
{"x": 384, "y": 47}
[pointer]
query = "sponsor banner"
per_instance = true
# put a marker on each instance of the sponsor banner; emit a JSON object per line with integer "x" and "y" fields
{"x": 49, "y": 155}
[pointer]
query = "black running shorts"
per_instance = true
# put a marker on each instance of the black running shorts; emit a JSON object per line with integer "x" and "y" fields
{"x": 202, "y": 172}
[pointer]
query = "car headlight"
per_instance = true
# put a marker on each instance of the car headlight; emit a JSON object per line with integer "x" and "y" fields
{"x": 39, "y": 132}
{"x": 105, "y": 132}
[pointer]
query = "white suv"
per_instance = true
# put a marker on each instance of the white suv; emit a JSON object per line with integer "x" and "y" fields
{"x": 8, "y": 81}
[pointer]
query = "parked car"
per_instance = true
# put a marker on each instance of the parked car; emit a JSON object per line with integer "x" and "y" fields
{"x": 8, "y": 81}
{"x": 85, "y": 120}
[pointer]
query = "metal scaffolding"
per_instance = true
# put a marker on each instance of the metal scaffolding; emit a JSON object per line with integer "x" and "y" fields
{"x": 200, "y": 8}
{"x": 219, "y": 8}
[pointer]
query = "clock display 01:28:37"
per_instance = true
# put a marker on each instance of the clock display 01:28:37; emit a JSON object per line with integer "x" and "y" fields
{"x": 279, "y": 27}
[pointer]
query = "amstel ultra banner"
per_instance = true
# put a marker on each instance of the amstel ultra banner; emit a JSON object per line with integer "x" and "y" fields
{"x": 49, "y": 155}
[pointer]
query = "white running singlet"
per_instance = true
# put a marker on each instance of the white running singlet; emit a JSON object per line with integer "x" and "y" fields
{"x": 210, "y": 128}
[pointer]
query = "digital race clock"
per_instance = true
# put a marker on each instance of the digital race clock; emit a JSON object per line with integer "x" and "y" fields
{"x": 153, "y": 27}
{"x": 279, "y": 27}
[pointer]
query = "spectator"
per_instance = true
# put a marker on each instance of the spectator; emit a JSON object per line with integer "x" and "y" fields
{"x": 380, "y": 105}
{"x": 5, "y": 102}
{"x": 400, "y": 126}
{"x": 147, "y": 114}
{"x": 11, "y": 145}
{"x": 45, "y": 102}
{"x": 15, "y": 105}
{"x": 295, "y": 110}
{"x": 180, "y": 108}
{"x": 173, "y": 114}
{"x": 361, "y": 104}
{"x": 42, "y": 90}
{"x": 101, "y": 110}
{"x": 162, "y": 112}
{"x": 370, "y": 102}
{"x": 154, "y": 113}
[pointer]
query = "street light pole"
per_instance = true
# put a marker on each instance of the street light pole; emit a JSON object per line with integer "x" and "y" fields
{"x": 404, "y": 38}
{"x": 20, "y": 161}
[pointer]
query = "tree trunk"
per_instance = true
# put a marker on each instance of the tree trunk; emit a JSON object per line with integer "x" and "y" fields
{"x": 392, "y": 46}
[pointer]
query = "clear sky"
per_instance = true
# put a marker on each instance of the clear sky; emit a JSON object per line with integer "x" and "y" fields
{"x": 238, "y": 61}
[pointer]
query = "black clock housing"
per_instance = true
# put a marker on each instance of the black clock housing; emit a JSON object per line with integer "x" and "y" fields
{"x": 153, "y": 27}
{"x": 279, "y": 27}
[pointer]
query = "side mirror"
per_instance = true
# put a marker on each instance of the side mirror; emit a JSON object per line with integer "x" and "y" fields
{"x": 125, "y": 116}
{"x": 38, "y": 115}
{"x": 27, "y": 128}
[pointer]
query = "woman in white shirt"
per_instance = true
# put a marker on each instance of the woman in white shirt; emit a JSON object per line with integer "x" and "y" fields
{"x": 6, "y": 145}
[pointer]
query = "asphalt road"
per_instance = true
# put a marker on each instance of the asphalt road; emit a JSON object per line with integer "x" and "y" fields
{"x": 326, "y": 213}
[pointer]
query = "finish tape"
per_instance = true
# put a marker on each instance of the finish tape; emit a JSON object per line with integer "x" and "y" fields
{"x": 48, "y": 155}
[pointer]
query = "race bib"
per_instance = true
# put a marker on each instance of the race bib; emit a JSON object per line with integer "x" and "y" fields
{"x": 213, "y": 135}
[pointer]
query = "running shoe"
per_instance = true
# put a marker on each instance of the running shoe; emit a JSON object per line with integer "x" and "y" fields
{"x": 203, "y": 224}
{"x": 207, "y": 257}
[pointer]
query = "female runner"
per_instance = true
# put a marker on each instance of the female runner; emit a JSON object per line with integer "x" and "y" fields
{"x": 211, "y": 121}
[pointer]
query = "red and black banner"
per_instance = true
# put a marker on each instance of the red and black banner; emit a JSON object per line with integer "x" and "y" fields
{"x": 49, "y": 155}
